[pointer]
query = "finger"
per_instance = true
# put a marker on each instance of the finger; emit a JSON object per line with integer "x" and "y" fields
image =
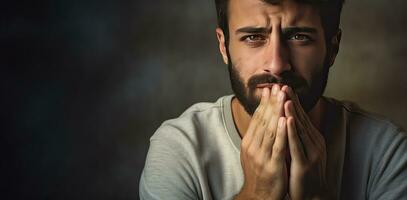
{"x": 290, "y": 93}
{"x": 307, "y": 141}
{"x": 295, "y": 145}
{"x": 265, "y": 95}
{"x": 274, "y": 105}
{"x": 260, "y": 133}
{"x": 302, "y": 118}
{"x": 300, "y": 111}
{"x": 274, "y": 113}
{"x": 288, "y": 109}
{"x": 259, "y": 111}
{"x": 313, "y": 133}
{"x": 257, "y": 123}
{"x": 280, "y": 144}
{"x": 291, "y": 112}
{"x": 275, "y": 89}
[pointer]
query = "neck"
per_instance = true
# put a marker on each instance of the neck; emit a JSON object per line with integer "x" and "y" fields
{"x": 242, "y": 118}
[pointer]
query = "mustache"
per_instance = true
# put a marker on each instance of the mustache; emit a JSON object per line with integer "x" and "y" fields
{"x": 286, "y": 78}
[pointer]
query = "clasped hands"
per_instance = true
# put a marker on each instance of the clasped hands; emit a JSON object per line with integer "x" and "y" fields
{"x": 282, "y": 154}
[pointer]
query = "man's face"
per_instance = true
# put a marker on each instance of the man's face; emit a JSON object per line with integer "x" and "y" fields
{"x": 269, "y": 44}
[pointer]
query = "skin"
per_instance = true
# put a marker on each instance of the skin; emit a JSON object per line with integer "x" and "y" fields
{"x": 279, "y": 126}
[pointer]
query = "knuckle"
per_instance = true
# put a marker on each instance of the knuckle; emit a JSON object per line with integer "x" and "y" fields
{"x": 263, "y": 122}
{"x": 314, "y": 160}
{"x": 256, "y": 115}
{"x": 277, "y": 150}
{"x": 271, "y": 169}
{"x": 251, "y": 151}
{"x": 273, "y": 172}
{"x": 295, "y": 150}
{"x": 276, "y": 158}
{"x": 245, "y": 143}
{"x": 272, "y": 135}
{"x": 273, "y": 127}
{"x": 258, "y": 161}
{"x": 270, "y": 172}
{"x": 272, "y": 103}
{"x": 268, "y": 127}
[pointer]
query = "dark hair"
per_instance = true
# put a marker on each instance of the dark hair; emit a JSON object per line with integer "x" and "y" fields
{"x": 330, "y": 12}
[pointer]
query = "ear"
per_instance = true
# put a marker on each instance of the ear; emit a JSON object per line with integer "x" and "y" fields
{"x": 222, "y": 48}
{"x": 334, "y": 47}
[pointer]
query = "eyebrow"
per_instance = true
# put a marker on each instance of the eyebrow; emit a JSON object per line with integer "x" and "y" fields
{"x": 292, "y": 30}
{"x": 250, "y": 29}
{"x": 285, "y": 31}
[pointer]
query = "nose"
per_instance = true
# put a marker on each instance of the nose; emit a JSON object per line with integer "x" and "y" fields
{"x": 276, "y": 55}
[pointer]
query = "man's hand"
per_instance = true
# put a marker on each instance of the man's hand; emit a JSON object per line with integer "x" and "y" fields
{"x": 308, "y": 153}
{"x": 263, "y": 149}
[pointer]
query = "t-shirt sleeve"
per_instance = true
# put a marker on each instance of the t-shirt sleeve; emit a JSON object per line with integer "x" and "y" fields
{"x": 169, "y": 169}
{"x": 390, "y": 178}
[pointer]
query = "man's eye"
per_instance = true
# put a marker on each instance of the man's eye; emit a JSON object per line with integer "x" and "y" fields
{"x": 253, "y": 38}
{"x": 300, "y": 37}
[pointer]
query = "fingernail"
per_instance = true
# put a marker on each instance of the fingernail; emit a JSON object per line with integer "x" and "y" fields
{"x": 274, "y": 90}
{"x": 281, "y": 96}
{"x": 264, "y": 92}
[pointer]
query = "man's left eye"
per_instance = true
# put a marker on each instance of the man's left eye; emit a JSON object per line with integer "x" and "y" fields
{"x": 300, "y": 37}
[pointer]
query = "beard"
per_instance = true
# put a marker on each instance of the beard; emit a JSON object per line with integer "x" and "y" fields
{"x": 308, "y": 93}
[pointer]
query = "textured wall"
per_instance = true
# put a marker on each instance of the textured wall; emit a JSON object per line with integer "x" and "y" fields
{"x": 371, "y": 66}
{"x": 87, "y": 83}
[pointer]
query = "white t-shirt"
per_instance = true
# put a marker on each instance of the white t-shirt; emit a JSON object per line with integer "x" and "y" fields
{"x": 197, "y": 155}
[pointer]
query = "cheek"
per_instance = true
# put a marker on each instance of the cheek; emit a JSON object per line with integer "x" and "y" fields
{"x": 244, "y": 61}
{"x": 308, "y": 61}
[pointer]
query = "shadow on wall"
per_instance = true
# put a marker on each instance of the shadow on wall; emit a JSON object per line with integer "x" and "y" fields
{"x": 87, "y": 84}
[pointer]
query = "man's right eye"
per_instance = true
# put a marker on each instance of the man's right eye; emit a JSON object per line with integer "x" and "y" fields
{"x": 253, "y": 39}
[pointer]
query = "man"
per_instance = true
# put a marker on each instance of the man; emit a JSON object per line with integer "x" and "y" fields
{"x": 277, "y": 137}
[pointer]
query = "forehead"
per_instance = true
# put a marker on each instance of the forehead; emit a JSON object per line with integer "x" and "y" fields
{"x": 261, "y": 13}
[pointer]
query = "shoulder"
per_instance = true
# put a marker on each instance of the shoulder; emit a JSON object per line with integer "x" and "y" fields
{"x": 359, "y": 120}
{"x": 376, "y": 153}
{"x": 372, "y": 138}
{"x": 198, "y": 118}
{"x": 173, "y": 164}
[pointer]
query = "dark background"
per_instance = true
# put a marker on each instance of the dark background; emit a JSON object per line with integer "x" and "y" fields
{"x": 86, "y": 83}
